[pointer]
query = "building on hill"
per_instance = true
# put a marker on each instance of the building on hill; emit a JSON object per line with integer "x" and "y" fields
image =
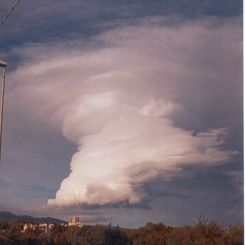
{"x": 74, "y": 221}
{"x": 29, "y": 226}
{"x": 45, "y": 227}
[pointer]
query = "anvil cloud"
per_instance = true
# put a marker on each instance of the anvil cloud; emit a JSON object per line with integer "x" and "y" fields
{"x": 119, "y": 101}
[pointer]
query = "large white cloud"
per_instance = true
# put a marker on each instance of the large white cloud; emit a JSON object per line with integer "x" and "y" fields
{"x": 117, "y": 102}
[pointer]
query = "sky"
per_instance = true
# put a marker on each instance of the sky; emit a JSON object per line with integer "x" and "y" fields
{"x": 123, "y": 111}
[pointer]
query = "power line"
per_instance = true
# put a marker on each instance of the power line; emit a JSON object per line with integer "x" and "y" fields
{"x": 5, "y": 17}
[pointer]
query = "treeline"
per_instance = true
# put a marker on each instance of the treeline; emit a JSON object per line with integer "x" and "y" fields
{"x": 201, "y": 233}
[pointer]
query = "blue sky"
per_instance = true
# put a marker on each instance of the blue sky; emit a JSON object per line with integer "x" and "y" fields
{"x": 176, "y": 64}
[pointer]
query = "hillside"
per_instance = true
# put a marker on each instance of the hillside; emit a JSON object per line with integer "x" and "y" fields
{"x": 10, "y": 218}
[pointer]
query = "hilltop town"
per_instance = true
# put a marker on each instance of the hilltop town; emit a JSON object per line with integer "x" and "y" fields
{"x": 47, "y": 226}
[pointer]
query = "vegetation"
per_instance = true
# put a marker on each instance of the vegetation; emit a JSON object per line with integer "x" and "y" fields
{"x": 202, "y": 233}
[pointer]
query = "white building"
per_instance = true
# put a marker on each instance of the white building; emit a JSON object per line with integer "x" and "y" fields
{"x": 45, "y": 227}
{"x": 74, "y": 221}
{"x": 29, "y": 226}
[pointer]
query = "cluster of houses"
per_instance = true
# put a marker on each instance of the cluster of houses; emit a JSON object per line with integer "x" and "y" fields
{"x": 42, "y": 227}
{"x": 46, "y": 227}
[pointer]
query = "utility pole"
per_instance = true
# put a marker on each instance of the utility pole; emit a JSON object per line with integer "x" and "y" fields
{"x": 3, "y": 65}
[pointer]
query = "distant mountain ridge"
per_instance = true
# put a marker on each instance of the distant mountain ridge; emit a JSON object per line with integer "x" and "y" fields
{"x": 10, "y": 217}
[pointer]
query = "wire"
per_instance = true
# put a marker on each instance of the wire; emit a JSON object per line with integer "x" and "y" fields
{"x": 5, "y": 17}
